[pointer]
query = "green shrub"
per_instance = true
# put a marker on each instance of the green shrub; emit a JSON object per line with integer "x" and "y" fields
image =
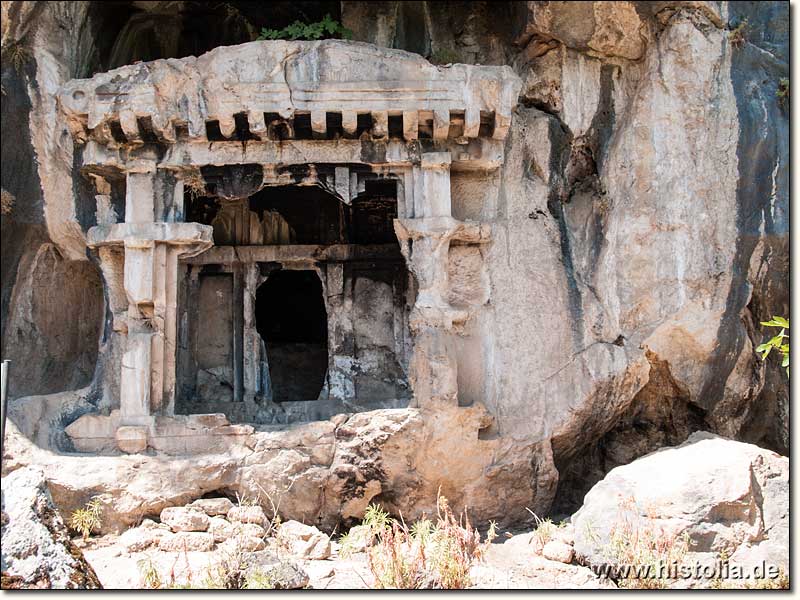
{"x": 87, "y": 519}
{"x": 324, "y": 29}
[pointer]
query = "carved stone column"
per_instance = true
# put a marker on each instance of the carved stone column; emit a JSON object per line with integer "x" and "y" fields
{"x": 425, "y": 244}
{"x": 152, "y": 249}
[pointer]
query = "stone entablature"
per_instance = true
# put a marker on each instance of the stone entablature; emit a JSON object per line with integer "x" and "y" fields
{"x": 332, "y": 114}
{"x": 262, "y": 89}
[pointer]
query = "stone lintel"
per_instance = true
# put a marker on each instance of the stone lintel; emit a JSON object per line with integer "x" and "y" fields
{"x": 291, "y": 253}
{"x": 478, "y": 154}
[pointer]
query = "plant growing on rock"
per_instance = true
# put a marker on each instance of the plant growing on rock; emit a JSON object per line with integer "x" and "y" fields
{"x": 16, "y": 54}
{"x": 85, "y": 520}
{"x": 737, "y": 35}
{"x": 779, "y": 343}
{"x": 783, "y": 91}
{"x": 324, "y": 29}
{"x": 194, "y": 184}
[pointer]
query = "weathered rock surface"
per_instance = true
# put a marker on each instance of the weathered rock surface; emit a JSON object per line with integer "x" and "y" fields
{"x": 728, "y": 497}
{"x": 37, "y": 551}
{"x": 558, "y": 551}
{"x": 221, "y": 529}
{"x": 141, "y": 538}
{"x": 281, "y": 574}
{"x": 184, "y": 519}
{"x": 304, "y": 541}
{"x": 248, "y": 514}
{"x": 241, "y": 542}
{"x": 190, "y": 541}
{"x": 212, "y": 506}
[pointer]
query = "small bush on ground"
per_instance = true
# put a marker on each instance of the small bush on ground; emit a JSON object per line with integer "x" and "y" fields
{"x": 545, "y": 529}
{"x": 426, "y": 555}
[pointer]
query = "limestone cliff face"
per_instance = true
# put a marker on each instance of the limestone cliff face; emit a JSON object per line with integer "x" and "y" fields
{"x": 639, "y": 234}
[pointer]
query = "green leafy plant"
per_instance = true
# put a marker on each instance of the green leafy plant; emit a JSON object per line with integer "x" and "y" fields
{"x": 779, "y": 343}
{"x": 376, "y": 518}
{"x": 324, "y": 29}
{"x": 87, "y": 519}
{"x": 737, "y": 35}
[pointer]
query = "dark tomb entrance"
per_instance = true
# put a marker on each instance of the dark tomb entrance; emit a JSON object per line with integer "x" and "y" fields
{"x": 292, "y": 321}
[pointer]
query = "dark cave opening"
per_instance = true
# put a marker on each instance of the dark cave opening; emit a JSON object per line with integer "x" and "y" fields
{"x": 293, "y": 322}
{"x": 155, "y": 30}
{"x": 294, "y": 214}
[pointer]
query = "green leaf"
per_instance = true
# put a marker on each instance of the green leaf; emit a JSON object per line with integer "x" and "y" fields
{"x": 781, "y": 321}
{"x": 776, "y": 322}
{"x": 785, "y": 362}
{"x": 776, "y": 341}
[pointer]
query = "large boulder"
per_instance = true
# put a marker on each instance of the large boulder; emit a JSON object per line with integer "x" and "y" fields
{"x": 37, "y": 551}
{"x": 726, "y": 499}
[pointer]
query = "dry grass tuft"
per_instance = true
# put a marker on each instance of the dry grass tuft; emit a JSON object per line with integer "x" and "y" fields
{"x": 425, "y": 555}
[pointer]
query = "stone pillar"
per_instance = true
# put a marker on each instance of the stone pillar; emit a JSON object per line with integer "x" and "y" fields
{"x": 432, "y": 186}
{"x": 341, "y": 337}
{"x": 152, "y": 250}
{"x": 425, "y": 243}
